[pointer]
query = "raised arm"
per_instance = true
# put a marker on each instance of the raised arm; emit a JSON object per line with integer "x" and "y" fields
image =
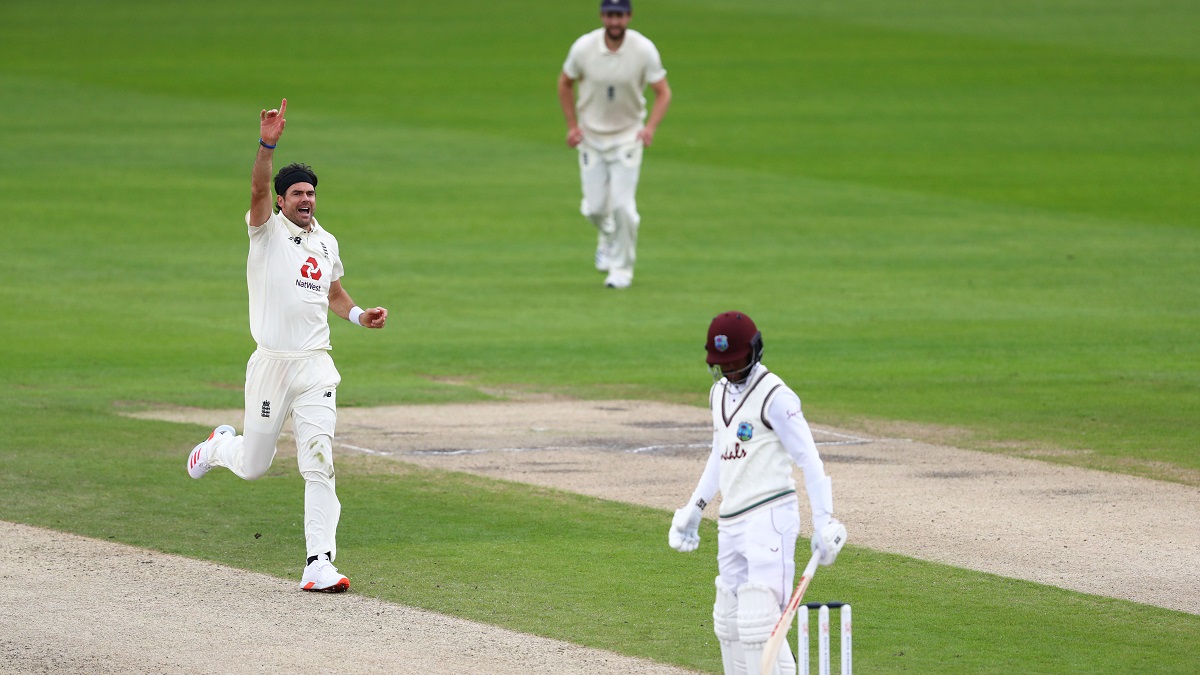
{"x": 271, "y": 123}
{"x": 566, "y": 98}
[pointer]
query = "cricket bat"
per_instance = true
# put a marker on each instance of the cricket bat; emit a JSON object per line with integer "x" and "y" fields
{"x": 779, "y": 634}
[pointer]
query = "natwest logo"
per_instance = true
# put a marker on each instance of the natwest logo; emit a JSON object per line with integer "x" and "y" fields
{"x": 310, "y": 269}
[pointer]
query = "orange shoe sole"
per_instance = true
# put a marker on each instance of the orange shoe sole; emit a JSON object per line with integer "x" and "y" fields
{"x": 341, "y": 586}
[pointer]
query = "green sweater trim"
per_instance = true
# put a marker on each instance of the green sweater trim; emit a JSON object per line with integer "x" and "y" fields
{"x": 758, "y": 504}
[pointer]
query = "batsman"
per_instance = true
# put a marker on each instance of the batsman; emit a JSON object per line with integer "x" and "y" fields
{"x": 759, "y": 431}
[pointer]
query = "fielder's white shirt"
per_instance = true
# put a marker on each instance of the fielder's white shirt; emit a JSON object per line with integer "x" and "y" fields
{"x": 759, "y": 431}
{"x": 610, "y": 105}
{"x": 289, "y": 272}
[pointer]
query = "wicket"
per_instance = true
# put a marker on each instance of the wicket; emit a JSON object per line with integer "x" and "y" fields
{"x": 823, "y": 637}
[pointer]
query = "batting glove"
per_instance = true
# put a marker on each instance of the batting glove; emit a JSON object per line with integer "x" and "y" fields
{"x": 684, "y": 535}
{"x": 829, "y": 540}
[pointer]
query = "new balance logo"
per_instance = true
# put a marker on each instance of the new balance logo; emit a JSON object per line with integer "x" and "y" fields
{"x": 266, "y": 409}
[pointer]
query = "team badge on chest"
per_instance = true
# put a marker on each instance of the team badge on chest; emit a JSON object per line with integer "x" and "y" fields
{"x": 745, "y": 431}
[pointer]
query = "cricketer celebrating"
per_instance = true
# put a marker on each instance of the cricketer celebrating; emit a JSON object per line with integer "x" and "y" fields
{"x": 293, "y": 273}
{"x": 613, "y": 65}
{"x": 759, "y": 430}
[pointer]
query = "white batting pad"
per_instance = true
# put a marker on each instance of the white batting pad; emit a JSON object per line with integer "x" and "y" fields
{"x": 725, "y": 615}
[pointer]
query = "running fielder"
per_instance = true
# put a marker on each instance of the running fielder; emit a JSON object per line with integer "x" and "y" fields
{"x": 613, "y": 65}
{"x": 293, "y": 273}
{"x": 759, "y": 430}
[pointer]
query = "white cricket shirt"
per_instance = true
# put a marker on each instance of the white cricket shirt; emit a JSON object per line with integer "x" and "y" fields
{"x": 610, "y": 105}
{"x": 289, "y": 272}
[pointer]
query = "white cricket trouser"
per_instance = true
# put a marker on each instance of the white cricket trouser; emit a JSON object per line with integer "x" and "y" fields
{"x": 756, "y": 555}
{"x": 610, "y": 181}
{"x": 760, "y": 548}
{"x": 305, "y": 385}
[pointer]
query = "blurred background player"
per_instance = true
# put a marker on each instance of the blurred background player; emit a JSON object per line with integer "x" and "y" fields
{"x": 293, "y": 273}
{"x": 613, "y": 65}
{"x": 759, "y": 432}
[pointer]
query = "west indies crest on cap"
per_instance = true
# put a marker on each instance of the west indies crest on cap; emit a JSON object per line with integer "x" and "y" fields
{"x": 622, "y": 6}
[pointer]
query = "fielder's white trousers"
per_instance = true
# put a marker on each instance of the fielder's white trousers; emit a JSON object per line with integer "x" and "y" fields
{"x": 303, "y": 384}
{"x": 610, "y": 179}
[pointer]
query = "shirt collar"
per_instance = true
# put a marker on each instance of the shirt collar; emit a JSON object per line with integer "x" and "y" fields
{"x": 294, "y": 229}
{"x": 604, "y": 42}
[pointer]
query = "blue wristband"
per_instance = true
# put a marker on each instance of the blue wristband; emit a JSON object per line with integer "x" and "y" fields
{"x": 264, "y": 144}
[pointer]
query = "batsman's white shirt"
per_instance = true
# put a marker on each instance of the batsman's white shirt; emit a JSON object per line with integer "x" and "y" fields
{"x": 288, "y": 273}
{"x": 611, "y": 105}
{"x": 759, "y": 430}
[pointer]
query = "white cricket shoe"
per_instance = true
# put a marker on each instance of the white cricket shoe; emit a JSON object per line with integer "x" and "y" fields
{"x": 320, "y": 575}
{"x": 197, "y": 463}
{"x": 619, "y": 279}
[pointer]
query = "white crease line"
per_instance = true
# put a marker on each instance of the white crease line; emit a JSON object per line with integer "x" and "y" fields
{"x": 847, "y": 436}
{"x": 366, "y": 450}
{"x": 480, "y": 451}
{"x": 652, "y": 448}
{"x": 633, "y": 451}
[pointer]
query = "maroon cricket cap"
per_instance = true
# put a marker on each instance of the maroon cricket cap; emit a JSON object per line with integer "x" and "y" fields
{"x": 730, "y": 338}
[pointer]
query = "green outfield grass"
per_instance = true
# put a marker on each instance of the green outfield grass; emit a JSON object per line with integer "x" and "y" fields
{"x": 938, "y": 213}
